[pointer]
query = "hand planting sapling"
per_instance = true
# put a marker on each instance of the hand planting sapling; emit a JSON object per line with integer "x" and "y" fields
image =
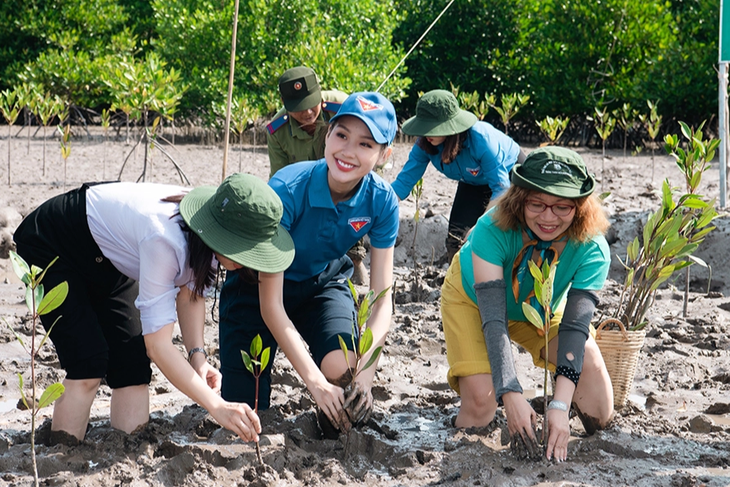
{"x": 39, "y": 303}
{"x": 256, "y": 366}
{"x": 357, "y": 401}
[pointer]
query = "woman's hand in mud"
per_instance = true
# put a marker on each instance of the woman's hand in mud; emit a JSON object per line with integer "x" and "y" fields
{"x": 331, "y": 399}
{"x": 210, "y": 374}
{"x": 239, "y": 418}
{"x": 358, "y": 402}
{"x": 521, "y": 421}
{"x": 558, "y": 435}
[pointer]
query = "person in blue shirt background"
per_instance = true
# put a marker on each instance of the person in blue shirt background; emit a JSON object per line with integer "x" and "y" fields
{"x": 472, "y": 152}
{"x": 329, "y": 205}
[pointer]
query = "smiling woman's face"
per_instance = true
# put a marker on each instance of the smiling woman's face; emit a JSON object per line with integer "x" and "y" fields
{"x": 545, "y": 224}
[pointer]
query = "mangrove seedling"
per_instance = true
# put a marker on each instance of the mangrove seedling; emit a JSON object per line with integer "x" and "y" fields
{"x": 626, "y": 118}
{"x": 10, "y": 107}
{"x": 605, "y": 124}
{"x": 39, "y": 303}
{"x": 652, "y": 123}
{"x": 417, "y": 193}
{"x": 553, "y": 128}
{"x": 543, "y": 289}
{"x": 511, "y": 104}
{"x": 670, "y": 235}
{"x": 255, "y": 363}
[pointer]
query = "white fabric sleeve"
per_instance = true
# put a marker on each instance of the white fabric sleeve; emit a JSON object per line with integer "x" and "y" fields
{"x": 158, "y": 268}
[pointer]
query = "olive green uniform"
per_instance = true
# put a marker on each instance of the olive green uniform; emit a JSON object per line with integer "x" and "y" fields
{"x": 289, "y": 143}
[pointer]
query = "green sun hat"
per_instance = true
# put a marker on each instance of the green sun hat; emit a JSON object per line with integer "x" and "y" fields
{"x": 241, "y": 221}
{"x": 438, "y": 115}
{"x": 557, "y": 171}
{"x": 299, "y": 89}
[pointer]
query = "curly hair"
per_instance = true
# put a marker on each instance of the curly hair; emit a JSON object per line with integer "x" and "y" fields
{"x": 452, "y": 146}
{"x": 589, "y": 219}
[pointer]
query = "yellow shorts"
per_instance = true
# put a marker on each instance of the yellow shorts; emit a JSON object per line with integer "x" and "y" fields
{"x": 466, "y": 350}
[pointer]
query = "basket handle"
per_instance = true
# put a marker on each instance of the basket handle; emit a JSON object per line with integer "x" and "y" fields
{"x": 612, "y": 321}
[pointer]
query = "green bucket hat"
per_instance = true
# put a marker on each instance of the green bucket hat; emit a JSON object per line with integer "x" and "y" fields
{"x": 299, "y": 89}
{"x": 554, "y": 170}
{"x": 240, "y": 220}
{"x": 438, "y": 115}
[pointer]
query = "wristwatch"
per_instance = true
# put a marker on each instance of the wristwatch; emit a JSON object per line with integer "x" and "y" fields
{"x": 194, "y": 351}
{"x": 555, "y": 404}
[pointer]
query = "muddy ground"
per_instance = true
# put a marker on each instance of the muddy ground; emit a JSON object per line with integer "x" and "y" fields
{"x": 675, "y": 430}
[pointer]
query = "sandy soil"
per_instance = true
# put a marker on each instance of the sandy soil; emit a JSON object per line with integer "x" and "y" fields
{"x": 675, "y": 430}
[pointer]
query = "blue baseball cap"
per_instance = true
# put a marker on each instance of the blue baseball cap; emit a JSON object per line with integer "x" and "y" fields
{"x": 375, "y": 111}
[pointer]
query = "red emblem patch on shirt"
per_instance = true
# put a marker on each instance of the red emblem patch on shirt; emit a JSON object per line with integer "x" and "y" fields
{"x": 358, "y": 223}
{"x": 473, "y": 171}
{"x": 367, "y": 105}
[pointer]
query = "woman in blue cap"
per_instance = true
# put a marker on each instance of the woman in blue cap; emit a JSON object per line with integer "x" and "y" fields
{"x": 328, "y": 206}
{"x": 472, "y": 152}
{"x": 138, "y": 258}
{"x": 549, "y": 212}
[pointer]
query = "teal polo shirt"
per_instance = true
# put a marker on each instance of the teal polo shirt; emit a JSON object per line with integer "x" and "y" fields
{"x": 323, "y": 231}
{"x": 581, "y": 265}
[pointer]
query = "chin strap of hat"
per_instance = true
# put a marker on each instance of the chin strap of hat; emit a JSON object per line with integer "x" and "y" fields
{"x": 414, "y": 45}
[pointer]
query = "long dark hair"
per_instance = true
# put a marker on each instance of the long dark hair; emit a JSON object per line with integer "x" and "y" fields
{"x": 452, "y": 146}
{"x": 200, "y": 257}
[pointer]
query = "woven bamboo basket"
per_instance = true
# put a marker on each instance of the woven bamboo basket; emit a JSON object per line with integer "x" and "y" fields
{"x": 620, "y": 350}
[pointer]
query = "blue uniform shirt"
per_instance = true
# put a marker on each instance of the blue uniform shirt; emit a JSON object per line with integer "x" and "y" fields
{"x": 486, "y": 158}
{"x": 323, "y": 231}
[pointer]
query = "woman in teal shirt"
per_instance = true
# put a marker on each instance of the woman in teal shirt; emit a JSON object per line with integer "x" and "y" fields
{"x": 549, "y": 212}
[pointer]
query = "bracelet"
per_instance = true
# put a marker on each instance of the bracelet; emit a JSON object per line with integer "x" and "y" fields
{"x": 555, "y": 404}
{"x": 196, "y": 350}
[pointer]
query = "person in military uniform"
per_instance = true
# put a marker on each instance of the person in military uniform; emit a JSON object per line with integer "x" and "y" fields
{"x": 298, "y": 130}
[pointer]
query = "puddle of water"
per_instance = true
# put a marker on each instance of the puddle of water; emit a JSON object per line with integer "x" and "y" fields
{"x": 8, "y": 405}
{"x": 416, "y": 431}
{"x": 719, "y": 419}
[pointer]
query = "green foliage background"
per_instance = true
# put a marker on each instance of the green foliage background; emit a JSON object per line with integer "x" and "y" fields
{"x": 568, "y": 55}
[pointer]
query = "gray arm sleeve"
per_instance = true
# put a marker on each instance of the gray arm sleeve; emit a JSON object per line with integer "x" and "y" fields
{"x": 574, "y": 328}
{"x": 492, "y": 302}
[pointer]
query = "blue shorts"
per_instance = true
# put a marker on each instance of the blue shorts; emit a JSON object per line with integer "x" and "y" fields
{"x": 320, "y": 308}
{"x": 98, "y": 334}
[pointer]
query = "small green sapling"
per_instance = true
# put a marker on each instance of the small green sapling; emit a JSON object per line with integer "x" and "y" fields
{"x": 39, "y": 303}
{"x": 255, "y": 363}
{"x": 544, "y": 279}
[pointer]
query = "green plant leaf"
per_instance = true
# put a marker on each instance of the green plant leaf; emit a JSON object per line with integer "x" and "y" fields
{"x": 366, "y": 341}
{"x": 372, "y": 358}
{"x": 697, "y": 260}
{"x": 534, "y": 270}
{"x": 353, "y": 291}
{"x": 53, "y": 299}
{"x": 256, "y": 346}
{"x": 343, "y": 346}
{"x": 265, "y": 355}
{"x": 22, "y": 392}
{"x": 52, "y": 392}
{"x": 20, "y": 268}
{"x": 632, "y": 250}
{"x": 247, "y": 361}
{"x": 532, "y": 315}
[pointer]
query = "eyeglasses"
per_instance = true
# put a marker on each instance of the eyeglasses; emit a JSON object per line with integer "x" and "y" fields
{"x": 538, "y": 207}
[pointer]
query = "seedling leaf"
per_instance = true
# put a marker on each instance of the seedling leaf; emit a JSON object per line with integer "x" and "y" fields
{"x": 53, "y": 299}
{"x": 247, "y": 361}
{"x": 366, "y": 341}
{"x": 372, "y": 358}
{"x": 53, "y": 392}
{"x": 265, "y": 357}
{"x": 532, "y": 315}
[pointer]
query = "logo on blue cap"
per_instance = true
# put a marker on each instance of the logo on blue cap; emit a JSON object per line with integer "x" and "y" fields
{"x": 375, "y": 111}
